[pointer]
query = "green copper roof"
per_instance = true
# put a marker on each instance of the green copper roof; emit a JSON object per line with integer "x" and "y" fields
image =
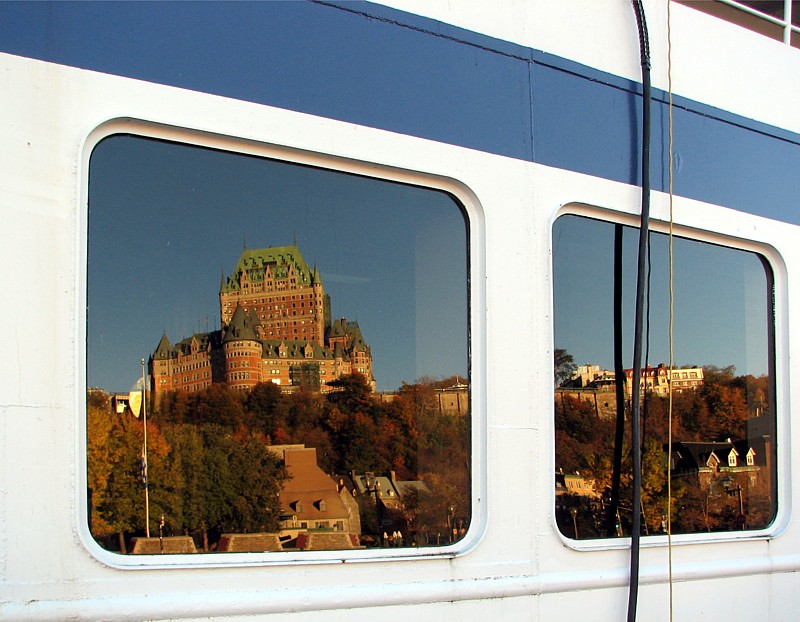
{"x": 295, "y": 349}
{"x": 276, "y": 259}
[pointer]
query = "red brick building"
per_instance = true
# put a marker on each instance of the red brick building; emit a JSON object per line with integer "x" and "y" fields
{"x": 276, "y": 327}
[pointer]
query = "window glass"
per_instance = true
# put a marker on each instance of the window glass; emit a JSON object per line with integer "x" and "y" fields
{"x": 722, "y": 462}
{"x": 215, "y": 426}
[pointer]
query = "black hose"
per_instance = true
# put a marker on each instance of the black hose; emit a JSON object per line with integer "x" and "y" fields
{"x": 636, "y": 453}
{"x": 619, "y": 388}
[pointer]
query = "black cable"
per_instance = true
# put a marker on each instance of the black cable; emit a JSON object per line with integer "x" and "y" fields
{"x": 646, "y": 362}
{"x": 636, "y": 454}
{"x": 619, "y": 387}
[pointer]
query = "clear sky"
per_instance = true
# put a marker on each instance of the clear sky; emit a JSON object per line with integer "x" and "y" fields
{"x": 721, "y": 299}
{"x": 166, "y": 221}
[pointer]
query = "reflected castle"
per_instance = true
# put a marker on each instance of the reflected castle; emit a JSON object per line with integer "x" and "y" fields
{"x": 276, "y": 327}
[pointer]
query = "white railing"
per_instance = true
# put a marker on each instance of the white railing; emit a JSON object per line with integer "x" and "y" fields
{"x": 785, "y": 23}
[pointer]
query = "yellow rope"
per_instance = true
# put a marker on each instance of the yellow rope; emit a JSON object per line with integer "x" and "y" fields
{"x": 671, "y": 310}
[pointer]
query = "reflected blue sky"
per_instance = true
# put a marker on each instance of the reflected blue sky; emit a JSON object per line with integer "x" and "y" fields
{"x": 166, "y": 221}
{"x": 380, "y": 67}
{"x": 721, "y": 299}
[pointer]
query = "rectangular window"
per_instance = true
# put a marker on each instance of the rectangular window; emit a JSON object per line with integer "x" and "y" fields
{"x": 722, "y": 336}
{"x": 241, "y": 455}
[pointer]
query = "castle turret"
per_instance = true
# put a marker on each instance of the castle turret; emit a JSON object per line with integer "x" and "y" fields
{"x": 161, "y": 367}
{"x": 277, "y": 285}
{"x": 242, "y": 350}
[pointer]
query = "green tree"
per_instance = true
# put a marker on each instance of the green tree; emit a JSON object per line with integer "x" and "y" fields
{"x": 217, "y": 478}
{"x": 351, "y": 393}
{"x": 257, "y": 476}
{"x": 564, "y": 366}
{"x": 165, "y": 482}
{"x": 186, "y": 459}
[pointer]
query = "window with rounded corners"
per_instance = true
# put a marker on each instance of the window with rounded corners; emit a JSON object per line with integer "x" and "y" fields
{"x": 719, "y": 472}
{"x": 217, "y": 422}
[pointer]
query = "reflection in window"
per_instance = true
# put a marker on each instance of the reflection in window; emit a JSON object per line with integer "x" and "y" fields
{"x": 343, "y": 425}
{"x": 722, "y": 463}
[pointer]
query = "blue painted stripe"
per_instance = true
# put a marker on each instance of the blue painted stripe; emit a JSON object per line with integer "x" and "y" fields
{"x": 384, "y": 68}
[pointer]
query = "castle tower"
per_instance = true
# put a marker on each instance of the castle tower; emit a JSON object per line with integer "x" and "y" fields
{"x": 242, "y": 351}
{"x": 275, "y": 326}
{"x": 277, "y": 285}
{"x": 348, "y": 345}
{"x": 161, "y": 367}
{"x": 320, "y": 301}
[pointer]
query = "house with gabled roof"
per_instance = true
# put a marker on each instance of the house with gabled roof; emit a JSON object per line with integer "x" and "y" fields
{"x": 311, "y": 500}
{"x": 707, "y": 460}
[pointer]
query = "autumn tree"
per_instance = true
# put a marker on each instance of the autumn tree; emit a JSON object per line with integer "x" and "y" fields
{"x": 114, "y": 473}
{"x": 218, "y": 404}
{"x": 267, "y": 408}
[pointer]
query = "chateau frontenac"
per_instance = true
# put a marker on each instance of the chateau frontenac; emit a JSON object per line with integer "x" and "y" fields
{"x": 276, "y": 327}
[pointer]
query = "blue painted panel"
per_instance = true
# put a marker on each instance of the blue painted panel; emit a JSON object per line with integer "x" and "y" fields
{"x": 297, "y": 55}
{"x": 379, "y": 67}
{"x": 586, "y": 126}
{"x": 742, "y": 168}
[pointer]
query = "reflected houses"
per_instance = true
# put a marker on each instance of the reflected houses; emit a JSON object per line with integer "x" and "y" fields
{"x": 653, "y": 379}
{"x": 574, "y": 484}
{"x": 596, "y": 385}
{"x": 706, "y": 459}
{"x": 322, "y": 512}
{"x": 722, "y": 470}
{"x": 397, "y": 507}
{"x": 317, "y": 511}
{"x": 657, "y": 379}
{"x": 729, "y": 482}
{"x": 276, "y": 327}
{"x": 579, "y": 509}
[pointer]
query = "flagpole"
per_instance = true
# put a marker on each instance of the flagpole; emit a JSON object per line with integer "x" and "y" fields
{"x": 144, "y": 458}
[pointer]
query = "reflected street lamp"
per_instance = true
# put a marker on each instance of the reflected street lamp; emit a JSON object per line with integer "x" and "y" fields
{"x": 374, "y": 486}
{"x": 144, "y": 458}
{"x": 728, "y": 484}
{"x": 574, "y": 513}
{"x": 451, "y": 523}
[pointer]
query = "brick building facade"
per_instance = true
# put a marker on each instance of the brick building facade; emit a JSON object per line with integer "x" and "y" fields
{"x": 276, "y": 327}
